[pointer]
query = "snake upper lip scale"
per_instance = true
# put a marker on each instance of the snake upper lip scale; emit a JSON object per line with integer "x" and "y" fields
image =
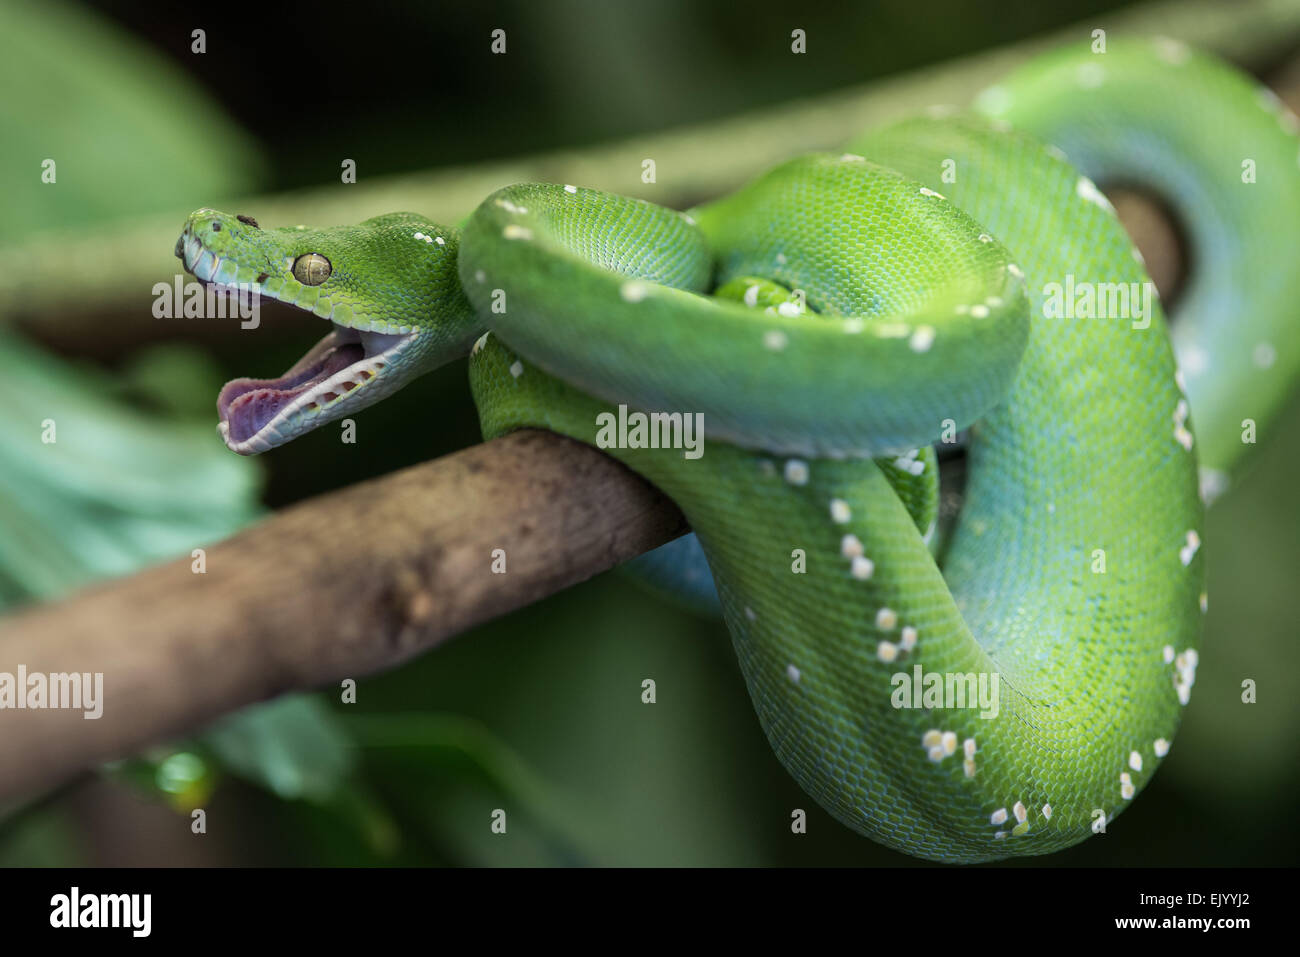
{"x": 1074, "y": 573}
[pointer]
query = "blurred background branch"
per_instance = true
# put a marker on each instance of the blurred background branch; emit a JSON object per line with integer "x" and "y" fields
{"x": 117, "y": 263}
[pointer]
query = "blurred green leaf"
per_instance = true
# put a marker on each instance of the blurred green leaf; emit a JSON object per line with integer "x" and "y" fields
{"x": 454, "y": 775}
{"x": 293, "y": 746}
{"x": 128, "y": 131}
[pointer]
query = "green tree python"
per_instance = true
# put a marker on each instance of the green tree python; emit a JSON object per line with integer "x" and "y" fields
{"x": 953, "y": 277}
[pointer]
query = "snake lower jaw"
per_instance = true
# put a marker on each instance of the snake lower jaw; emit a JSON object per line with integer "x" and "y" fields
{"x": 343, "y": 373}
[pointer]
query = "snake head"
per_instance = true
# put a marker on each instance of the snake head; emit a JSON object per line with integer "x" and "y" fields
{"x": 388, "y": 286}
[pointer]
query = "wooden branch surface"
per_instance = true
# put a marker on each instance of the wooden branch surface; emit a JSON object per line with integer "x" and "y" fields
{"x": 346, "y": 584}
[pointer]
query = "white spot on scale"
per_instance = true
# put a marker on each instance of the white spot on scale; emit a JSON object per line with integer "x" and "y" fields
{"x": 480, "y": 276}
{"x": 1135, "y": 761}
{"x": 931, "y": 738}
{"x": 1264, "y": 355}
{"x": 1213, "y": 483}
{"x": 1015, "y": 270}
{"x": 479, "y": 343}
{"x": 515, "y": 231}
{"x": 852, "y": 158}
{"x": 517, "y": 369}
{"x": 851, "y": 547}
{"x": 985, "y": 238}
{"x": 968, "y": 747}
{"x": 949, "y": 742}
{"x": 633, "y": 291}
{"x": 886, "y": 619}
{"x": 789, "y": 309}
{"x": 927, "y": 191}
{"x": 1188, "y": 551}
{"x": 862, "y": 568}
{"x": 887, "y": 651}
{"x": 840, "y": 511}
{"x": 979, "y": 311}
{"x": 796, "y": 472}
{"x": 1160, "y": 747}
{"x": 568, "y": 188}
{"x": 1047, "y": 811}
{"x": 1087, "y": 190}
{"x": 751, "y": 295}
{"x": 907, "y": 640}
{"x": 853, "y": 325}
{"x": 749, "y": 613}
{"x": 1019, "y": 811}
{"x": 998, "y": 817}
{"x": 922, "y": 339}
{"x": 775, "y": 339}
{"x": 792, "y": 673}
{"x": 1169, "y": 654}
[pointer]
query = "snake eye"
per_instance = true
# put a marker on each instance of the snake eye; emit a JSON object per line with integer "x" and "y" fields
{"x": 311, "y": 269}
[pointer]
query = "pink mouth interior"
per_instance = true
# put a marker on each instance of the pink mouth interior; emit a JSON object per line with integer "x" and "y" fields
{"x": 247, "y": 405}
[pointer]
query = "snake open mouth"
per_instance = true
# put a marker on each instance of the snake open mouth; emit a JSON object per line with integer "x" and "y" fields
{"x": 337, "y": 375}
{"x": 342, "y": 362}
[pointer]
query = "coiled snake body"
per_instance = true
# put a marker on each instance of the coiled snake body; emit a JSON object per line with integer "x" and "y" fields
{"x": 831, "y": 321}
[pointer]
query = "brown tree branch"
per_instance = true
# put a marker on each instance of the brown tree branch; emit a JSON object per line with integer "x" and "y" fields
{"x": 340, "y": 586}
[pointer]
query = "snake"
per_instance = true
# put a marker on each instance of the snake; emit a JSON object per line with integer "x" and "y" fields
{"x": 998, "y": 683}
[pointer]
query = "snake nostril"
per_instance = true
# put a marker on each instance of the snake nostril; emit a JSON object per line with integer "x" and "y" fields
{"x": 248, "y": 221}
